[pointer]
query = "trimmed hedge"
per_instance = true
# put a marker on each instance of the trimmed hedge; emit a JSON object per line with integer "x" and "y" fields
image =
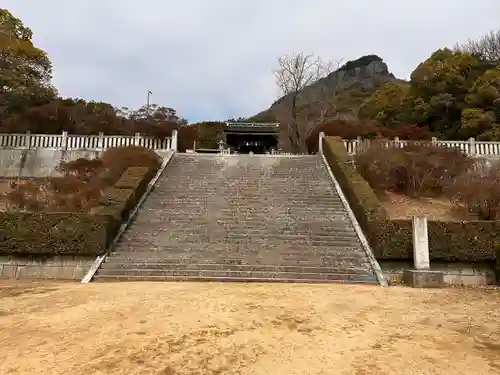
{"x": 119, "y": 199}
{"x": 497, "y": 265}
{"x": 392, "y": 239}
{"x": 53, "y": 233}
{"x": 44, "y": 233}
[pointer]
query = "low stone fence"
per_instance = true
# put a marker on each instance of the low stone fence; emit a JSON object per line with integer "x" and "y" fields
{"x": 471, "y": 147}
{"x": 97, "y": 142}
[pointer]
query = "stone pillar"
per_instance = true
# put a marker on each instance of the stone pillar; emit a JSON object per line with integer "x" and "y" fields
{"x": 421, "y": 276}
{"x": 420, "y": 243}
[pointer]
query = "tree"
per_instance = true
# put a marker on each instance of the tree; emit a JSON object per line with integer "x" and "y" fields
{"x": 294, "y": 73}
{"x": 476, "y": 122}
{"x": 323, "y": 99}
{"x": 25, "y": 71}
{"x": 441, "y": 84}
{"x": 209, "y": 133}
{"x": 385, "y": 105}
{"x": 485, "y": 92}
{"x": 486, "y": 48}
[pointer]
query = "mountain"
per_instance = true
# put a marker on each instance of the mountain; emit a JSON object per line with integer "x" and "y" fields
{"x": 347, "y": 87}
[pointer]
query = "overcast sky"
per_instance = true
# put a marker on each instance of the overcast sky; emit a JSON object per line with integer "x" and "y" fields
{"x": 213, "y": 59}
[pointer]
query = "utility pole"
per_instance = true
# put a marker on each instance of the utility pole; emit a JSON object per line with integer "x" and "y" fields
{"x": 148, "y": 102}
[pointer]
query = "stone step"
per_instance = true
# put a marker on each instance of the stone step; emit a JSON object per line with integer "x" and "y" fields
{"x": 321, "y": 260}
{"x": 232, "y": 267}
{"x": 193, "y": 201}
{"x": 213, "y": 240}
{"x": 217, "y": 247}
{"x": 244, "y": 218}
{"x": 169, "y": 233}
{"x": 221, "y": 232}
{"x": 101, "y": 278}
{"x": 276, "y": 254}
{"x": 239, "y": 274}
{"x": 280, "y": 220}
{"x": 201, "y": 227}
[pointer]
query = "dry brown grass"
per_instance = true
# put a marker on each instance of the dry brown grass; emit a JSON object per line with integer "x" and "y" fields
{"x": 191, "y": 328}
{"x": 5, "y": 188}
{"x": 400, "y": 206}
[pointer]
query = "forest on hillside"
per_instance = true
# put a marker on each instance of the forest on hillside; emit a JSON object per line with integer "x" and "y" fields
{"x": 453, "y": 94}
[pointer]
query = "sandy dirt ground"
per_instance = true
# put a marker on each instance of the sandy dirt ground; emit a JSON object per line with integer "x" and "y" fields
{"x": 217, "y": 329}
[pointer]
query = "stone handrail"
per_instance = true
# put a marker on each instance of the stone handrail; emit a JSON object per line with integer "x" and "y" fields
{"x": 97, "y": 142}
{"x": 362, "y": 238}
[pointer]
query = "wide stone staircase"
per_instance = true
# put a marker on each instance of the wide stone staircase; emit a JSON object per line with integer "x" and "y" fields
{"x": 241, "y": 218}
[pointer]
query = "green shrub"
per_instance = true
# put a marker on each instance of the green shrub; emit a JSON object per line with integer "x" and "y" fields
{"x": 392, "y": 239}
{"x": 497, "y": 266}
{"x": 53, "y": 233}
{"x": 119, "y": 199}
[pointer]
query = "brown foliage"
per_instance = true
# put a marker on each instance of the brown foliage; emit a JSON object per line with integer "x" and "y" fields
{"x": 81, "y": 117}
{"x": 415, "y": 170}
{"x": 350, "y": 129}
{"x": 56, "y": 194}
{"x": 83, "y": 169}
{"x": 82, "y": 181}
{"x": 479, "y": 191}
{"x": 116, "y": 160}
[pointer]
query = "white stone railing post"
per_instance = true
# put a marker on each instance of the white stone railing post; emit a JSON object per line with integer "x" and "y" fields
{"x": 64, "y": 144}
{"x": 100, "y": 142}
{"x": 358, "y": 145}
{"x": 320, "y": 142}
{"x": 472, "y": 147}
{"x": 174, "y": 140}
{"x": 421, "y": 276}
{"x": 27, "y": 140}
{"x": 137, "y": 139}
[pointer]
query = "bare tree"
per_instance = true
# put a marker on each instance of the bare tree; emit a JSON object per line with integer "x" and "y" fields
{"x": 294, "y": 73}
{"x": 487, "y": 47}
{"x": 323, "y": 99}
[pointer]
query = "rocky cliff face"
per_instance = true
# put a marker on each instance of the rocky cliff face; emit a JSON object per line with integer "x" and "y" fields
{"x": 350, "y": 85}
{"x": 364, "y": 74}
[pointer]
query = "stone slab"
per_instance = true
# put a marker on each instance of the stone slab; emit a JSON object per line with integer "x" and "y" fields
{"x": 423, "y": 278}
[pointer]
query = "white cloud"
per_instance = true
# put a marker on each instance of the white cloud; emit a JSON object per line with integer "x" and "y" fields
{"x": 213, "y": 59}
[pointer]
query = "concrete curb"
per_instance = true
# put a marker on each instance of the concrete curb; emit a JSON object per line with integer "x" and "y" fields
{"x": 364, "y": 242}
{"x": 98, "y": 261}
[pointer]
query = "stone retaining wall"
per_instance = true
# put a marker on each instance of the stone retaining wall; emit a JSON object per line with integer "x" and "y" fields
{"x": 454, "y": 273}
{"x": 37, "y": 267}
